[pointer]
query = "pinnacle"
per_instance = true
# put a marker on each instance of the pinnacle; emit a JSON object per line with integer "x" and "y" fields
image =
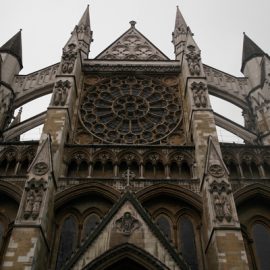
{"x": 179, "y": 20}
{"x": 85, "y": 19}
{"x": 14, "y": 46}
{"x": 250, "y": 50}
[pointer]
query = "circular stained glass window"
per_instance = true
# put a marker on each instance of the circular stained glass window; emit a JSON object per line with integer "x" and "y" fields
{"x": 130, "y": 109}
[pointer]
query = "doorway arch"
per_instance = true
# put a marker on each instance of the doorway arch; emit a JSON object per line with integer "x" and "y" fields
{"x": 126, "y": 256}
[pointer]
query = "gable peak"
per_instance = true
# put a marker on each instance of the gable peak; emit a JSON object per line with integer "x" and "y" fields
{"x": 132, "y": 45}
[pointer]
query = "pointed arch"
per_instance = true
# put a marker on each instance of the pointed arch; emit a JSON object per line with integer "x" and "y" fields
{"x": 84, "y": 189}
{"x": 172, "y": 191}
{"x": 250, "y": 191}
{"x": 11, "y": 190}
{"x": 126, "y": 251}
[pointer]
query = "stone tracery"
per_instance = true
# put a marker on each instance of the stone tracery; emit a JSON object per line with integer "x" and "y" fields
{"x": 130, "y": 109}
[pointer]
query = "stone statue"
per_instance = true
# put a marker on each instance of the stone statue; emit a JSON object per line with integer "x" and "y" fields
{"x": 61, "y": 92}
{"x": 37, "y": 204}
{"x": 219, "y": 203}
{"x": 29, "y": 204}
{"x": 199, "y": 97}
{"x": 193, "y": 59}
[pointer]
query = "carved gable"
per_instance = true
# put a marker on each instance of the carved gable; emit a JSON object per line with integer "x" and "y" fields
{"x": 132, "y": 45}
{"x": 126, "y": 224}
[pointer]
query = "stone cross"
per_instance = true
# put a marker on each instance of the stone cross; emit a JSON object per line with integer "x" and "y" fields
{"x": 127, "y": 175}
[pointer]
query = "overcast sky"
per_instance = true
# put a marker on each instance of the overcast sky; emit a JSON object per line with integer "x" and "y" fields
{"x": 218, "y": 26}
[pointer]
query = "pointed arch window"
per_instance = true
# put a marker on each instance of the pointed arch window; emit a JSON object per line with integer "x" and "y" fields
{"x": 187, "y": 242}
{"x": 232, "y": 169}
{"x": 68, "y": 240}
{"x": 164, "y": 224}
{"x": 89, "y": 224}
{"x": 261, "y": 235}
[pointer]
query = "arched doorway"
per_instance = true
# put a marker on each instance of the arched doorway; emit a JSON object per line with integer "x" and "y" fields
{"x": 126, "y": 263}
{"x": 126, "y": 256}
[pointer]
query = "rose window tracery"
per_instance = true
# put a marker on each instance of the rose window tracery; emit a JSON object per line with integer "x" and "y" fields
{"x": 130, "y": 109}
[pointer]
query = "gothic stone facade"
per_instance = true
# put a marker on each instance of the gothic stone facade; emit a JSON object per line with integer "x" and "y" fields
{"x": 128, "y": 171}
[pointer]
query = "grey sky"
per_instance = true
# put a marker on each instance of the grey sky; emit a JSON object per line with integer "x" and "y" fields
{"x": 218, "y": 26}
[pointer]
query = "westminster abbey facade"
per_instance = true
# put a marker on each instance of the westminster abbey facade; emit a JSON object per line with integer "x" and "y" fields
{"x": 129, "y": 172}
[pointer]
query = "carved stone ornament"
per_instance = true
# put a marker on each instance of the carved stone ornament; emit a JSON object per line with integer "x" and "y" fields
{"x": 216, "y": 170}
{"x": 34, "y": 196}
{"x": 128, "y": 175}
{"x": 79, "y": 157}
{"x": 69, "y": 58}
{"x": 61, "y": 92}
{"x": 127, "y": 224}
{"x": 40, "y": 168}
{"x": 193, "y": 58}
{"x": 130, "y": 109}
{"x": 220, "y": 187}
{"x": 199, "y": 94}
{"x": 132, "y": 46}
{"x": 222, "y": 207}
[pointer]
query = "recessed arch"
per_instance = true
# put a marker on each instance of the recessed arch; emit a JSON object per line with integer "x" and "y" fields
{"x": 126, "y": 251}
{"x": 11, "y": 190}
{"x": 251, "y": 191}
{"x": 84, "y": 189}
{"x": 170, "y": 190}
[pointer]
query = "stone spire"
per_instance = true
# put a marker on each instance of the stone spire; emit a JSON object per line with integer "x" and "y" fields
{"x": 14, "y": 47}
{"x": 250, "y": 50}
{"x": 179, "y": 34}
{"x": 180, "y": 23}
{"x": 84, "y": 32}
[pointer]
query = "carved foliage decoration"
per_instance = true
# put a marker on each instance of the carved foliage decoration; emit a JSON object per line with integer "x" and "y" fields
{"x": 130, "y": 109}
{"x": 34, "y": 196}
{"x": 132, "y": 46}
{"x": 199, "y": 94}
{"x": 127, "y": 224}
{"x": 193, "y": 59}
{"x": 61, "y": 92}
{"x": 220, "y": 193}
{"x": 68, "y": 59}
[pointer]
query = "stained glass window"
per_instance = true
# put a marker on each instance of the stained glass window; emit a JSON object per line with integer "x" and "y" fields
{"x": 187, "y": 243}
{"x": 68, "y": 240}
{"x": 261, "y": 237}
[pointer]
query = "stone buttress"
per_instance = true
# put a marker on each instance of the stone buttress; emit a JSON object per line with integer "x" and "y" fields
{"x": 31, "y": 240}
{"x": 223, "y": 242}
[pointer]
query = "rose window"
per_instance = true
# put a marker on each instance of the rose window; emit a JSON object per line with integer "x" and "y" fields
{"x": 131, "y": 109}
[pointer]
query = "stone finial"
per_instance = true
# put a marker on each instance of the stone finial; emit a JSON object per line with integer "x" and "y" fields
{"x": 132, "y": 23}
